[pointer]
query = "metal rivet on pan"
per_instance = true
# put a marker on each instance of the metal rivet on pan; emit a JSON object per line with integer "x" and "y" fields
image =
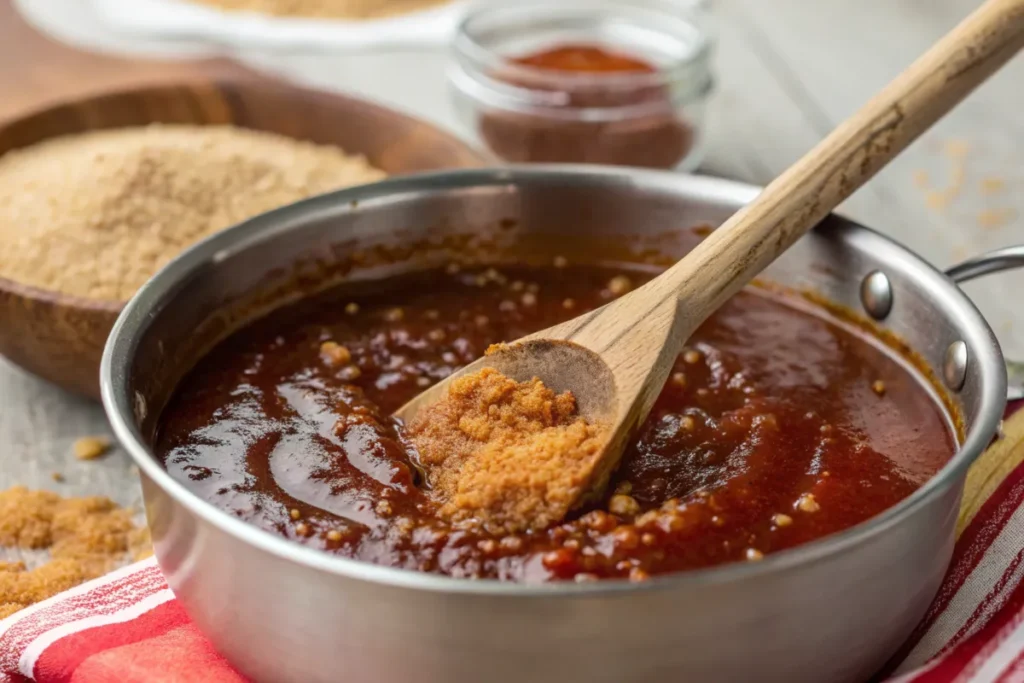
{"x": 876, "y": 294}
{"x": 954, "y": 366}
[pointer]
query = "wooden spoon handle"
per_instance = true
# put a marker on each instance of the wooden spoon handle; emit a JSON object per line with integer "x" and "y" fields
{"x": 802, "y": 196}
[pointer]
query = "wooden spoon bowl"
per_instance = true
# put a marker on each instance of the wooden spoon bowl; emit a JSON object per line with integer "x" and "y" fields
{"x": 60, "y": 337}
{"x": 616, "y": 359}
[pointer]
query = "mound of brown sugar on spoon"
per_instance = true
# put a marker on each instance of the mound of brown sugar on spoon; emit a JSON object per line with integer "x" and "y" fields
{"x": 96, "y": 214}
{"x": 512, "y": 455}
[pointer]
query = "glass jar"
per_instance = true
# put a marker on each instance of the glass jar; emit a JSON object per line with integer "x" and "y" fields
{"x": 645, "y": 109}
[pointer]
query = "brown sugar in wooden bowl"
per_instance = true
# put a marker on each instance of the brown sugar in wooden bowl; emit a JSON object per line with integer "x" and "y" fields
{"x": 60, "y": 337}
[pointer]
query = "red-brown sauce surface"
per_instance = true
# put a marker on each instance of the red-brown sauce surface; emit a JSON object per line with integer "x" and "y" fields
{"x": 771, "y": 404}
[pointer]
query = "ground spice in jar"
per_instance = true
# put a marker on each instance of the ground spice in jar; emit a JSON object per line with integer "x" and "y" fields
{"x": 84, "y": 539}
{"x": 335, "y": 9}
{"x": 95, "y": 215}
{"x": 512, "y": 455}
{"x": 638, "y": 126}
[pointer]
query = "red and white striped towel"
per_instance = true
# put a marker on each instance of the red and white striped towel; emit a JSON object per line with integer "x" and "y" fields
{"x": 127, "y": 627}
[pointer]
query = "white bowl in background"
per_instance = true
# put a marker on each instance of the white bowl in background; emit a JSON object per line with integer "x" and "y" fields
{"x": 180, "y": 19}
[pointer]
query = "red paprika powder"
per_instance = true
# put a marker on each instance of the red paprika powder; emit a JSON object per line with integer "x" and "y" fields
{"x": 598, "y": 106}
{"x": 604, "y": 81}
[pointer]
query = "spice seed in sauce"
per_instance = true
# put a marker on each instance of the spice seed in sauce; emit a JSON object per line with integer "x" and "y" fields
{"x": 561, "y": 262}
{"x": 878, "y": 386}
{"x": 807, "y": 503}
{"x": 352, "y": 308}
{"x": 782, "y": 520}
{"x": 303, "y": 529}
{"x": 619, "y": 285}
{"x": 568, "y": 304}
{"x": 511, "y": 543}
{"x": 295, "y": 514}
{"x": 679, "y": 380}
{"x": 636, "y": 574}
{"x": 334, "y": 536}
{"x": 335, "y": 354}
{"x": 692, "y": 357}
{"x": 626, "y": 537}
{"x": 753, "y": 555}
{"x": 623, "y": 506}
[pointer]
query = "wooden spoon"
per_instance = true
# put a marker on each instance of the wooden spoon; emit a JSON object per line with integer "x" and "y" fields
{"x": 616, "y": 359}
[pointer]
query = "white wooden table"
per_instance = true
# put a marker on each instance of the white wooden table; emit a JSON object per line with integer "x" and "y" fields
{"x": 788, "y": 71}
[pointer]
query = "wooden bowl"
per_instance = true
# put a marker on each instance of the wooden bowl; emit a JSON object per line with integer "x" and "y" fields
{"x": 60, "y": 337}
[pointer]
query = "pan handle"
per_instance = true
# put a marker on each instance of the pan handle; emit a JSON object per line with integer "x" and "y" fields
{"x": 986, "y": 264}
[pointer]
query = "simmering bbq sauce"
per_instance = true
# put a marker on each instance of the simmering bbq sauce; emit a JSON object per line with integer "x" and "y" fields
{"x": 600, "y": 115}
{"x": 770, "y": 433}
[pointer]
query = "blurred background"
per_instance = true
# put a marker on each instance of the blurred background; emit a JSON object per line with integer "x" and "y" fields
{"x": 757, "y": 84}
{"x": 784, "y": 73}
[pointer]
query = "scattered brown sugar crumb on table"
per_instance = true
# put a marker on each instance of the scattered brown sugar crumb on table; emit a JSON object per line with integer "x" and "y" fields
{"x": 513, "y": 455}
{"x": 90, "y": 447}
{"x": 84, "y": 537}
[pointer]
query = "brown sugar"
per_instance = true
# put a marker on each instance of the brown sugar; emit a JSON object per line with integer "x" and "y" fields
{"x": 996, "y": 218}
{"x": 336, "y": 9}
{"x": 84, "y": 538}
{"x": 90, "y": 447}
{"x": 511, "y": 455}
{"x": 96, "y": 214}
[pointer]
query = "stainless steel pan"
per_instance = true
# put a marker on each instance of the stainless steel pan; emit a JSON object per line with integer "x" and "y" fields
{"x": 833, "y": 610}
